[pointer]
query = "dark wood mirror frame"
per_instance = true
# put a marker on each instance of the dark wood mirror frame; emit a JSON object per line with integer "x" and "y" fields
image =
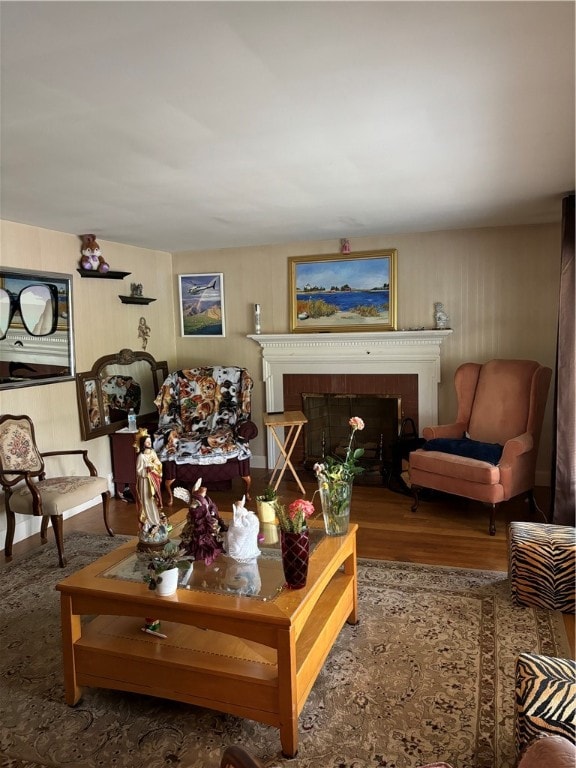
{"x": 96, "y": 416}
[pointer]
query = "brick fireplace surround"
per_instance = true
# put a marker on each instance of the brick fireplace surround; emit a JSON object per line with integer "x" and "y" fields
{"x": 404, "y": 363}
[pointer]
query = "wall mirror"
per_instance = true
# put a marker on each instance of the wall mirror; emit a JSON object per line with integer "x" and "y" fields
{"x": 36, "y": 339}
{"x": 115, "y": 384}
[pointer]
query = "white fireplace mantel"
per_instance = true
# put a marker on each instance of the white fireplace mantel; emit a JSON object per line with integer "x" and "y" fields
{"x": 392, "y": 352}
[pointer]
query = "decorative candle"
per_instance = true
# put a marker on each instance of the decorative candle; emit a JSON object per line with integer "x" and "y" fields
{"x": 257, "y": 318}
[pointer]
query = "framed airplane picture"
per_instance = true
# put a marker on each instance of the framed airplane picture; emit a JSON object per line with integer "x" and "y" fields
{"x": 202, "y": 304}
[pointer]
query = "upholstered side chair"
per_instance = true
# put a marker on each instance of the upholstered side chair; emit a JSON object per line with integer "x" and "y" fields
{"x": 489, "y": 453}
{"x": 27, "y": 490}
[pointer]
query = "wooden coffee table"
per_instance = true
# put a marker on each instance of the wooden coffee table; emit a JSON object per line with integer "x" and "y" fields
{"x": 251, "y": 656}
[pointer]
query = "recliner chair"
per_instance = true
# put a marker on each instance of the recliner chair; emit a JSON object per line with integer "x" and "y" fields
{"x": 204, "y": 427}
{"x": 489, "y": 453}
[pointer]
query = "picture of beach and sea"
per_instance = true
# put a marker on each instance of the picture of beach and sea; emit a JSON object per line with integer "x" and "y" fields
{"x": 340, "y": 292}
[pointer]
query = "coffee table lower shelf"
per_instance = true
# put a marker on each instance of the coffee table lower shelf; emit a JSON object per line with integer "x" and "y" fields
{"x": 268, "y": 682}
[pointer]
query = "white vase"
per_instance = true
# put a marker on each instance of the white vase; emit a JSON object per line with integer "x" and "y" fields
{"x": 169, "y": 583}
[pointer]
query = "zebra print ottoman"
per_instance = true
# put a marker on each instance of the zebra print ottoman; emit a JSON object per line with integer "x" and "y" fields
{"x": 545, "y": 698}
{"x": 543, "y": 565}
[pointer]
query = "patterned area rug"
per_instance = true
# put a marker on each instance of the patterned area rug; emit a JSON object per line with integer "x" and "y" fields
{"x": 427, "y": 674}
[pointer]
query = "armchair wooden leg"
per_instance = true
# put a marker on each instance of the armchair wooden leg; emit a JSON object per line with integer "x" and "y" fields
{"x": 58, "y": 527}
{"x": 247, "y": 483}
{"x": 44, "y": 530}
{"x": 105, "y": 500}
{"x": 168, "y": 485}
{"x": 10, "y": 529}
{"x": 492, "y": 524}
{"x": 415, "y": 490}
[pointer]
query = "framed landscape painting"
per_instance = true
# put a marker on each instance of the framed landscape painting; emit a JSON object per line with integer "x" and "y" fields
{"x": 352, "y": 292}
{"x": 202, "y": 304}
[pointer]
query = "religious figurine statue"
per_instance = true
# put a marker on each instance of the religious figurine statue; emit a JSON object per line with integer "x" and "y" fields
{"x": 202, "y": 536}
{"x": 440, "y": 316}
{"x": 152, "y": 522}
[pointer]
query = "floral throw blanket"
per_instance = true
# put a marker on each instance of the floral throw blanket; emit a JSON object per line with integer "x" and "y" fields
{"x": 201, "y": 413}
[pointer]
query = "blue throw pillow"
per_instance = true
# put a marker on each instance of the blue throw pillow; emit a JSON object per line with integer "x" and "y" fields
{"x": 472, "y": 449}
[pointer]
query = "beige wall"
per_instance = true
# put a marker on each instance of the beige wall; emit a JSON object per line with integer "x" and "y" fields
{"x": 102, "y": 326}
{"x": 499, "y": 286}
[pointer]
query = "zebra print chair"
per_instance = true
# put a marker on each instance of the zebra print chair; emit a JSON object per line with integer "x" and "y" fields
{"x": 542, "y": 565}
{"x": 545, "y": 698}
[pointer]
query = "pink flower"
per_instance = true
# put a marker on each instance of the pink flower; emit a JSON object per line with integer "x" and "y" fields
{"x": 301, "y": 506}
{"x": 356, "y": 422}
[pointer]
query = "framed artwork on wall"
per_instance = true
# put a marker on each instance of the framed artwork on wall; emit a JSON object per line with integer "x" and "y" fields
{"x": 352, "y": 292}
{"x": 202, "y": 304}
{"x": 36, "y": 338}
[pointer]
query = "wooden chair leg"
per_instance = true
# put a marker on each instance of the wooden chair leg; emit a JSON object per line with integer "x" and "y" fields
{"x": 105, "y": 507}
{"x": 44, "y": 530}
{"x": 58, "y": 527}
{"x": 415, "y": 490}
{"x": 492, "y": 524}
{"x": 10, "y": 529}
{"x": 247, "y": 483}
{"x": 168, "y": 486}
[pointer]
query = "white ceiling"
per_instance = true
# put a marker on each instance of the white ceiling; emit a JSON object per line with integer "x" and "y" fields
{"x": 187, "y": 125}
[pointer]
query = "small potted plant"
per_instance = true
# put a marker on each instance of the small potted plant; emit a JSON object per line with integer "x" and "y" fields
{"x": 164, "y": 566}
{"x": 266, "y": 505}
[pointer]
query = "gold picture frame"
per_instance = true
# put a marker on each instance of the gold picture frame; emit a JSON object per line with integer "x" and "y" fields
{"x": 343, "y": 292}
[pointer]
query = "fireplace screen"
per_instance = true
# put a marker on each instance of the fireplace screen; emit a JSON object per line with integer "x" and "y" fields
{"x": 327, "y": 431}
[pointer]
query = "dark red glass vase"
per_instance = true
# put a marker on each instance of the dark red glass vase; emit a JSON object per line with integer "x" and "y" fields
{"x": 295, "y": 555}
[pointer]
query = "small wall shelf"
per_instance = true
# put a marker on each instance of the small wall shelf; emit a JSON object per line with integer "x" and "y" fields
{"x": 104, "y": 275}
{"x": 135, "y": 299}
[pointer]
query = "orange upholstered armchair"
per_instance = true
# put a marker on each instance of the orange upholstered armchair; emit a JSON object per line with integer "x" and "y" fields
{"x": 489, "y": 453}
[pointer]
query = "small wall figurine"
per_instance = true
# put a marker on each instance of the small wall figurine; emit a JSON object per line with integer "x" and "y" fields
{"x": 92, "y": 258}
{"x": 440, "y": 316}
{"x": 202, "y": 536}
{"x": 143, "y": 332}
{"x": 344, "y": 245}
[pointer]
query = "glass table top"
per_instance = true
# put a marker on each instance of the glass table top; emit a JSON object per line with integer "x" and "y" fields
{"x": 261, "y": 578}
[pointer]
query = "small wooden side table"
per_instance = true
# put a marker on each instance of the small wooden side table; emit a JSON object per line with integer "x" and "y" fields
{"x": 294, "y": 421}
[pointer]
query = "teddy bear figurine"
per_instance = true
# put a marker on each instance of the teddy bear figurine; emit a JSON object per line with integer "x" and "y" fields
{"x": 92, "y": 258}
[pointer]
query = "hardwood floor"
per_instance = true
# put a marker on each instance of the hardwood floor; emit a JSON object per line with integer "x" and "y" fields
{"x": 444, "y": 531}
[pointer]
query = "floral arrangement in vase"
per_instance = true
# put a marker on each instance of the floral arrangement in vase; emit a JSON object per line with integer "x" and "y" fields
{"x": 295, "y": 541}
{"x": 335, "y": 479}
{"x": 294, "y": 520}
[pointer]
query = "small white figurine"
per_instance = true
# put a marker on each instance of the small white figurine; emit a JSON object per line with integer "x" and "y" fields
{"x": 440, "y": 316}
{"x": 242, "y": 537}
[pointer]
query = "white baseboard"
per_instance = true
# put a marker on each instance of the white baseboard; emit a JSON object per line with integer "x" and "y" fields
{"x": 258, "y": 462}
